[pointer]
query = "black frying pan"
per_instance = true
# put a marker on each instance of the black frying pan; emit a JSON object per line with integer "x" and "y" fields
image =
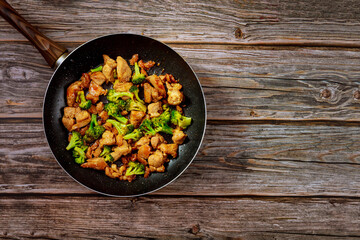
{"x": 88, "y": 55}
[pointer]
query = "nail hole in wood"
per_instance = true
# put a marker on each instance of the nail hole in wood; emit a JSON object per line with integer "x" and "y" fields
{"x": 238, "y": 33}
{"x": 325, "y": 93}
{"x": 195, "y": 229}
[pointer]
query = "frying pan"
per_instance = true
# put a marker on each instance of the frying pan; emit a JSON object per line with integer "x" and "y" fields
{"x": 69, "y": 68}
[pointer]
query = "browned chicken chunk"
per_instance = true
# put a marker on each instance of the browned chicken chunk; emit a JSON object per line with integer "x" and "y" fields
{"x": 156, "y": 161}
{"x": 151, "y": 94}
{"x": 71, "y": 92}
{"x": 134, "y": 59}
{"x": 156, "y": 140}
{"x": 107, "y": 138}
{"x": 175, "y": 97}
{"x": 142, "y": 141}
{"x": 143, "y": 154}
{"x": 154, "y": 109}
{"x": 123, "y": 70}
{"x": 122, "y": 86}
{"x": 170, "y": 149}
{"x": 94, "y": 92}
{"x": 136, "y": 117}
{"x": 95, "y": 163}
{"x": 98, "y": 78}
{"x": 178, "y": 136}
{"x": 82, "y": 119}
{"x": 108, "y": 68}
{"x": 122, "y": 150}
{"x": 157, "y": 84}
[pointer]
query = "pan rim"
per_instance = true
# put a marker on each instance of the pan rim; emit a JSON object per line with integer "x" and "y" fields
{"x": 132, "y": 195}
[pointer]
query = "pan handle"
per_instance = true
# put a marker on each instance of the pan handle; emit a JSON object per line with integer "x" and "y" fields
{"x": 51, "y": 51}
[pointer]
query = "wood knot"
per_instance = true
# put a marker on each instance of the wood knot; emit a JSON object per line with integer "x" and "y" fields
{"x": 195, "y": 229}
{"x": 357, "y": 95}
{"x": 325, "y": 93}
{"x": 238, "y": 33}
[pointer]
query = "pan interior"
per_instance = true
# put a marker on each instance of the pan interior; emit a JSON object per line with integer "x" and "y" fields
{"x": 89, "y": 55}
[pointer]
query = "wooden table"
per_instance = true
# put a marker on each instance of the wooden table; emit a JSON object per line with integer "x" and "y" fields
{"x": 281, "y": 155}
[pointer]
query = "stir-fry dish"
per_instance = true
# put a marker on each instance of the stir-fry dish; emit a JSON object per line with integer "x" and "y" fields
{"x": 119, "y": 117}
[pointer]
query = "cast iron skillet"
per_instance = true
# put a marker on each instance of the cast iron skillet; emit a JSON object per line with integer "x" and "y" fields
{"x": 88, "y": 55}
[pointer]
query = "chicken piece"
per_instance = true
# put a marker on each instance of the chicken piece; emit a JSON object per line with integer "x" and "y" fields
{"x": 119, "y": 140}
{"x": 175, "y": 97}
{"x": 147, "y": 172}
{"x": 97, "y": 152}
{"x": 143, "y": 154}
{"x": 123, "y": 70}
{"x": 122, "y": 86}
{"x": 98, "y": 78}
{"x": 70, "y": 112}
{"x": 170, "y": 78}
{"x": 85, "y": 80}
{"x": 68, "y": 123}
{"x": 108, "y": 68}
{"x": 157, "y": 84}
{"x": 178, "y": 136}
{"x": 134, "y": 59}
{"x": 142, "y": 141}
{"x": 92, "y": 110}
{"x": 71, "y": 93}
{"x": 122, "y": 150}
{"x": 151, "y": 94}
{"x": 156, "y": 161}
{"x": 156, "y": 140}
{"x": 136, "y": 118}
{"x": 94, "y": 92}
{"x": 107, "y": 138}
{"x": 170, "y": 149}
{"x": 92, "y": 148}
{"x": 99, "y": 107}
{"x": 95, "y": 163}
{"x": 154, "y": 109}
{"x": 82, "y": 119}
{"x": 146, "y": 66}
{"x": 104, "y": 116}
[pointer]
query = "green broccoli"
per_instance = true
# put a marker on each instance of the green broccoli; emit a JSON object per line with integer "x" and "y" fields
{"x": 106, "y": 151}
{"x": 109, "y": 158}
{"x": 79, "y": 154}
{"x": 113, "y": 110}
{"x": 135, "y": 106}
{"x": 138, "y": 77}
{"x": 75, "y": 140}
{"x": 97, "y": 69}
{"x": 122, "y": 129}
{"x": 135, "y": 135}
{"x": 146, "y": 127}
{"x": 135, "y": 169}
{"x": 95, "y": 130}
{"x": 180, "y": 120}
{"x": 135, "y": 90}
{"x": 84, "y": 104}
{"x": 160, "y": 123}
{"x": 114, "y": 96}
{"x": 122, "y": 105}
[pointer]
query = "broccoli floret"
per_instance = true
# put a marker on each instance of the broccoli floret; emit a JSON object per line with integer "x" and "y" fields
{"x": 135, "y": 90}
{"x": 146, "y": 127}
{"x": 135, "y": 135}
{"x": 84, "y": 104}
{"x": 122, "y": 105}
{"x": 180, "y": 120}
{"x": 114, "y": 96}
{"x": 113, "y": 110}
{"x": 165, "y": 116}
{"x": 95, "y": 130}
{"x": 135, "y": 168}
{"x": 75, "y": 140}
{"x": 161, "y": 126}
{"x": 138, "y": 77}
{"x": 122, "y": 129}
{"x": 97, "y": 69}
{"x": 135, "y": 106}
{"x": 79, "y": 154}
{"x": 106, "y": 151}
{"x": 109, "y": 158}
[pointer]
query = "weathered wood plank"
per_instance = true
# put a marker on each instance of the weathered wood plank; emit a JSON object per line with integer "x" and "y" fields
{"x": 163, "y": 218}
{"x": 239, "y": 22}
{"x": 264, "y": 160}
{"x": 239, "y": 83}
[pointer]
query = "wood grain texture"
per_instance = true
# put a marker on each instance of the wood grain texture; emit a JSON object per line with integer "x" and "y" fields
{"x": 262, "y": 160}
{"x": 163, "y": 218}
{"x": 240, "y": 83}
{"x": 238, "y": 22}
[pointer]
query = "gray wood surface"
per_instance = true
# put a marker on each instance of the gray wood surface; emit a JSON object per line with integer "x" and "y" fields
{"x": 280, "y": 158}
